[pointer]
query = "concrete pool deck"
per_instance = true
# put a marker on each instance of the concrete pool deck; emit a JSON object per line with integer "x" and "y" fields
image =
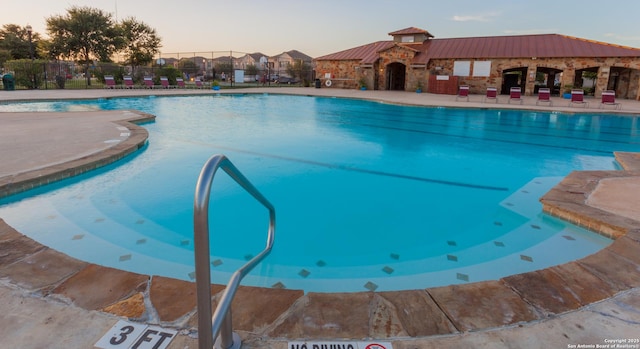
{"x": 51, "y": 300}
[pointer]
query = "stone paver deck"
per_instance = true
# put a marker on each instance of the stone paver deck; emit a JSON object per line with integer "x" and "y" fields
{"x": 51, "y": 300}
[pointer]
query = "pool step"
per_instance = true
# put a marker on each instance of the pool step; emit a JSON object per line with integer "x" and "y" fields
{"x": 525, "y": 200}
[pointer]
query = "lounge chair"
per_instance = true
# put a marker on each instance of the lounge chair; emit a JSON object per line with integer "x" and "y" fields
{"x": 515, "y": 94}
{"x": 463, "y": 92}
{"x": 180, "y": 83}
{"x": 128, "y": 81}
{"x": 609, "y": 98}
{"x": 148, "y": 82}
{"x": 492, "y": 94}
{"x": 577, "y": 97}
{"x": 199, "y": 83}
{"x": 109, "y": 82}
{"x": 544, "y": 96}
{"x": 164, "y": 82}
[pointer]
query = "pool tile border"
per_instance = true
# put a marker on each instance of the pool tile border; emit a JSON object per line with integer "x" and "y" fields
{"x": 281, "y": 314}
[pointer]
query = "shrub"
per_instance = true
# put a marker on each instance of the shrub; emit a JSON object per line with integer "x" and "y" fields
{"x": 26, "y": 72}
{"x": 170, "y": 72}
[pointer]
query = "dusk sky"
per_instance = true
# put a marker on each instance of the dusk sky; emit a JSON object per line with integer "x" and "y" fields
{"x": 321, "y": 27}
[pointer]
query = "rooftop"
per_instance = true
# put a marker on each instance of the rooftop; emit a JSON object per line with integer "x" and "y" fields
{"x": 514, "y": 46}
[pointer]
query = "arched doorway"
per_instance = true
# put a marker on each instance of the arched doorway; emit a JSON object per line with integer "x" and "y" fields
{"x": 514, "y": 77}
{"x": 395, "y": 76}
{"x": 586, "y": 79}
{"x": 549, "y": 78}
{"x": 621, "y": 80}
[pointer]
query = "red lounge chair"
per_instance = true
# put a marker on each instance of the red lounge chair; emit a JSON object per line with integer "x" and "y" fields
{"x": 492, "y": 94}
{"x": 609, "y": 98}
{"x": 515, "y": 94}
{"x": 577, "y": 97}
{"x": 164, "y": 82}
{"x": 148, "y": 82}
{"x": 199, "y": 83}
{"x": 544, "y": 96}
{"x": 128, "y": 82}
{"x": 109, "y": 82}
{"x": 463, "y": 92}
{"x": 180, "y": 82}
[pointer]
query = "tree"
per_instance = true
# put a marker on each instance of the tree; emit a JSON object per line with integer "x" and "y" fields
{"x": 223, "y": 67}
{"x": 84, "y": 34}
{"x": 251, "y": 69}
{"x": 187, "y": 65}
{"x": 14, "y": 39}
{"x": 27, "y": 73}
{"x": 141, "y": 43}
{"x": 5, "y": 55}
{"x": 299, "y": 69}
{"x": 170, "y": 72}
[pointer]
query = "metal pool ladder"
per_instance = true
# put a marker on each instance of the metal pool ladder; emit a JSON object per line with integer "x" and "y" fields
{"x": 220, "y": 324}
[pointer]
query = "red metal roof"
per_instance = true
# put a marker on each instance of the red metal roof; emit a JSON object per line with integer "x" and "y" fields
{"x": 366, "y": 53}
{"x": 544, "y": 45}
{"x": 520, "y": 46}
{"x": 410, "y": 31}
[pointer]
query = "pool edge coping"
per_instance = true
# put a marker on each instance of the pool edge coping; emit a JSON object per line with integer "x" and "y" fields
{"x": 30, "y": 179}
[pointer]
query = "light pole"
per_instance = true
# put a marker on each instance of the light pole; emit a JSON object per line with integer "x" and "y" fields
{"x": 231, "y": 68}
{"x": 29, "y": 32}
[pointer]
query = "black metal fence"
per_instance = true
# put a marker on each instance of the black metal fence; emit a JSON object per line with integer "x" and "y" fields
{"x": 41, "y": 74}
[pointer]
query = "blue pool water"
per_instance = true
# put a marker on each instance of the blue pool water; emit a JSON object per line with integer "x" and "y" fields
{"x": 368, "y": 195}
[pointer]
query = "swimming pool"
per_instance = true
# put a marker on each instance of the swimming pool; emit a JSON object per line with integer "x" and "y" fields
{"x": 369, "y": 196}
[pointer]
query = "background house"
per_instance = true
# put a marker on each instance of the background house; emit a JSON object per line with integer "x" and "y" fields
{"x": 256, "y": 66}
{"x": 251, "y": 59}
{"x": 279, "y": 63}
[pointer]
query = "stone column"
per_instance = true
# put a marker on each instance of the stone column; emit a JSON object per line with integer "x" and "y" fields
{"x": 602, "y": 80}
{"x": 531, "y": 80}
{"x": 634, "y": 85}
{"x": 568, "y": 76}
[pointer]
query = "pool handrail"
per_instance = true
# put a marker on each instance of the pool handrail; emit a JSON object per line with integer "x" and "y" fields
{"x": 209, "y": 327}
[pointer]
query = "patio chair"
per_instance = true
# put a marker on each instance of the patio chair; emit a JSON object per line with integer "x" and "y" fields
{"x": 609, "y": 98}
{"x": 164, "y": 82}
{"x": 180, "y": 83}
{"x": 544, "y": 96}
{"x": 463, "y": 92}
{"x": 492, "y": 94}
{"x": 199, "y": 83}
{"x": 128, "y": 81}
{"x": 109, "y": 82}
{"x": 577, "y": 97}
{"x": 148, "y": 82}
{"x": 515, "y": 94}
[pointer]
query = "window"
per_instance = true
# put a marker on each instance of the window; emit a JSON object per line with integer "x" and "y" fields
{"x": 462, "y": 68}
{"x": 481, "y": 68}
{"x": 408, "y": 39}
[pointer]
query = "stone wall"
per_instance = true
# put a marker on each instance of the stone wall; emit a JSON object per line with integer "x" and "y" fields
{"x": 347, "y": 73}
{"x": 634, "y": 85}
{"x": 398, "y": 54}
{"x": 628, "y": 86}
{"x": 343, "y": 73}
{"x": 417, "y": 77}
